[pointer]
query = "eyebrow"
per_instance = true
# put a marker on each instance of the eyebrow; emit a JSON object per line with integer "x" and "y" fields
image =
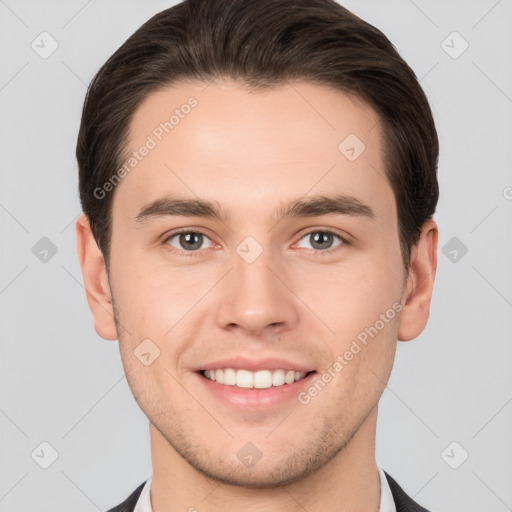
{"x": 311, "y": 207}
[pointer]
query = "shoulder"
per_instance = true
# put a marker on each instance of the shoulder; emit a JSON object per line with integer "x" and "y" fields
{"x": 129, "y": 504}
{"x": 403, "y": 502}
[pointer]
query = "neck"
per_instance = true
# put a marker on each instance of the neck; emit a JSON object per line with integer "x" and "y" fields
{"x": 348, "y": 482}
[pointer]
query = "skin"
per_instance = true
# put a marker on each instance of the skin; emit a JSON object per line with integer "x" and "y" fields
{"x": 253, "y": 152}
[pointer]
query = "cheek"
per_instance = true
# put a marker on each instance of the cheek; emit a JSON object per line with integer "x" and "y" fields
{"x": 366, "y": 360}
{"x": 159, "y": 306}
{"x": 152, "y": 384}
{"x": 144, "y": 295}
{"x": 358, "y": 302}
{"x": 351, "y": 296}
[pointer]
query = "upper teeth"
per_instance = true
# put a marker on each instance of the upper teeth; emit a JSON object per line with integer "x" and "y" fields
{"x": 247, "y": 379}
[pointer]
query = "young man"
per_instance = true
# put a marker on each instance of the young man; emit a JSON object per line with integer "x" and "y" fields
{"x": 258, "y": 181}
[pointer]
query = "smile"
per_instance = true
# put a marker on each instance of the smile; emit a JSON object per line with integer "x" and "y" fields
{"x": 261, "y": 379}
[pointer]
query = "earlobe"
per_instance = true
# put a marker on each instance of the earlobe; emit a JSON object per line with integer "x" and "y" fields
{"x": 95, "y": 279}
{"x": 420, "y": 284}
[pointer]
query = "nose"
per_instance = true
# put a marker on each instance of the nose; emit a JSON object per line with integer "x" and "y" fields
{"x": 257, "y": 296}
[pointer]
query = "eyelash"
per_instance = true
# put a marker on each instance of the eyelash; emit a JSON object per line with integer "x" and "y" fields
{"x": 198, "y": 252}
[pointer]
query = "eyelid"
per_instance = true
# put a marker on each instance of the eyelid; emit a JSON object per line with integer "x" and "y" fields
{"x": 178, "y": 231}
{"x": 330, "y": 250}
{"x": 332, "y": 231}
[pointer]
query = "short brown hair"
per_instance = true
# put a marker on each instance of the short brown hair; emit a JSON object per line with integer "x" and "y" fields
{"x": 262, "y": 44}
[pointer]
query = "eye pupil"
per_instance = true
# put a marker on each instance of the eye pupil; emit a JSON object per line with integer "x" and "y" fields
{"x": 191, "y": 240}
{"x": 321, "y": 238}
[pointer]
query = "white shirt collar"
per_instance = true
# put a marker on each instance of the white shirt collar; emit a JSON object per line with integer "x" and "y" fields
{"x": 144, "y": 501}
{"x": 387, "y": 504}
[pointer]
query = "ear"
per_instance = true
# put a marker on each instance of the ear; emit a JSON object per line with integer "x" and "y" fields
{"x": 420, "y": 284}
{"x": 95, "y": 277}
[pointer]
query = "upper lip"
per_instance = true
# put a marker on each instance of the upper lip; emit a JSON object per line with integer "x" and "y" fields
{"x": 245, "y": 363}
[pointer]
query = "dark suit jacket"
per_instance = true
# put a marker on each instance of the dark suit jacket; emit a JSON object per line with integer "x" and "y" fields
{"x": 403, "y": 502}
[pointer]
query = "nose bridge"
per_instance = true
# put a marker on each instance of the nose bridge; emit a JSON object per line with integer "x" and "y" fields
{"x": 255, "y": 296}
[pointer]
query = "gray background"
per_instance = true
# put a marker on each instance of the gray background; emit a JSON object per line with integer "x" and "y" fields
{"x": 63, "y": 385}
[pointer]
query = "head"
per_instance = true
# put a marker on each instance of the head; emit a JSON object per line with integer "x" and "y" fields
{"x": 254, "y": 127}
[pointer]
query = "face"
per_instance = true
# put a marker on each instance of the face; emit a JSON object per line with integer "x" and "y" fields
{"x": 233, "y": 277}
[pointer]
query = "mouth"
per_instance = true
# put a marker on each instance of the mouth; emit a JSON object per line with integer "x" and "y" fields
{"x": 252, "y": 391}
{"x": 261, "y": 379}
{"x": 243, "y": 383}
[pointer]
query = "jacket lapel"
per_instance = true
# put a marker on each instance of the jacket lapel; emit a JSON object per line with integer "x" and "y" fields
{"x": 403, "y": 502}
{"x": 129, "y": 504}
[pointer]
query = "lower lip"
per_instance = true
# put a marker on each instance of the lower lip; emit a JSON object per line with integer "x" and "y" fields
{"x": 256, "y": 399}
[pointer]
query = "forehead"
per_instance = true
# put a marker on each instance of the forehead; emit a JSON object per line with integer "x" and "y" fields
{"x": 251, "y": 150}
